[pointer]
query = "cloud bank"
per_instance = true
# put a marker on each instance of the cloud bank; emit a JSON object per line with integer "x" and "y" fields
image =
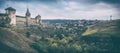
{"x": 66, "y": 9}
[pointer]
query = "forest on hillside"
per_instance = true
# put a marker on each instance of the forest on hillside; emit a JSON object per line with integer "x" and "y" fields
{"x": 83, "y": 36}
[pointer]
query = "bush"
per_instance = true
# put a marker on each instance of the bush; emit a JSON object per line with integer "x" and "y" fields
{"x": 4, "y": 22}
{"x": 28, "y": 34}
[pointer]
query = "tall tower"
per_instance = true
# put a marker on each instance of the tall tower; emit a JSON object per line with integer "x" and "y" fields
{"x": 11, "y": 14}
{"x": 27, "y": 15}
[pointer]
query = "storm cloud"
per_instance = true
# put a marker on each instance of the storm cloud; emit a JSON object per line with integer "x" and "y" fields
{"x": 115, "y": 3}
{"x": 66, "y": 9}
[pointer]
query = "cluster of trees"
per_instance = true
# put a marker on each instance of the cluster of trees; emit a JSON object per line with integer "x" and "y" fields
{"x": 4, "y": 22}
{"x": 59, "y": 41}
{"x": 57, "y": 46}
{"x": 77, "y": 44}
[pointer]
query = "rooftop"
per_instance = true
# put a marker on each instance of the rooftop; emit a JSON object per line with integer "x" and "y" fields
{"x": 10, "y": 8}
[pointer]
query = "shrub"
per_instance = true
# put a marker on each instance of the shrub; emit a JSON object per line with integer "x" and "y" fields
{"x": 4, "y": 22}
{"x": 28, "y": 34}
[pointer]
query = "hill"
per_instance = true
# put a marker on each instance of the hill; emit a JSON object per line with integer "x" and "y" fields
{"x": 12, "y": 42}
{"x": 103, "y": 37}
{"x": 109, "y": 27}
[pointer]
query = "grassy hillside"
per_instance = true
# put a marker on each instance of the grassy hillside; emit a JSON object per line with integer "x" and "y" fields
{"x": 110, "y": 28}
{"x": 12, "y": 42}
{"x": 103, "y": 37}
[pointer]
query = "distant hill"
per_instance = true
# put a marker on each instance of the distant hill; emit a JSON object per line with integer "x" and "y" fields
{"x": 59, "y": 21}
{"x": 12, "y": 42}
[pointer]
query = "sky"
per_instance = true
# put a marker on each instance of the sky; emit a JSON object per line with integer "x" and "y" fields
{"x": 65, "y": 9}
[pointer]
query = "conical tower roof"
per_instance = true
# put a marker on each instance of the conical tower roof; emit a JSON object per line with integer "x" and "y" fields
{"x": 28, "y": 12}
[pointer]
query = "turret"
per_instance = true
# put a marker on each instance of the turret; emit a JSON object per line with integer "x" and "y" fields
{"x": 38, "y": 19}
{"x": 27, "y": 15}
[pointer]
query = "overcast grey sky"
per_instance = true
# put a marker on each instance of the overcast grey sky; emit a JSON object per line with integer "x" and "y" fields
{"x": 65, "y": 9}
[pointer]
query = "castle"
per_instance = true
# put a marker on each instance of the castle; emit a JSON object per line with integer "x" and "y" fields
{"x": 17, "y": 20}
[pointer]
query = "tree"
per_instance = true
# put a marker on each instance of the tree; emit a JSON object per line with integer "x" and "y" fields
{"x": 28, "y": 34}
{"x": 4, "y": 22}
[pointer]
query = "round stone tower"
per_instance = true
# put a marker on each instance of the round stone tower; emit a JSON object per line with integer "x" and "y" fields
{"x": 38, "y": 19}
